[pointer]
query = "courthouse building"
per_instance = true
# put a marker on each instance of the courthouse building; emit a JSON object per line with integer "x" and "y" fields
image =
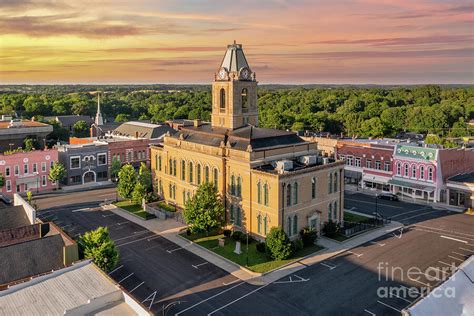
{"x": 266, "y": 177}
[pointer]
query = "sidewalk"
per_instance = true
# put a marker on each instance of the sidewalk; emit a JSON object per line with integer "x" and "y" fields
{"x": 170, "y": 228}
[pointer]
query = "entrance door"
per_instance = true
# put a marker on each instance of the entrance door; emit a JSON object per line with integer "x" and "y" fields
{"x": 89, "y": 176}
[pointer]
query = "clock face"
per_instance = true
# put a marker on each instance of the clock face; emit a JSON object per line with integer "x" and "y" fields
{"x": 222, "y": 73}
{"x": 245, "y": 73}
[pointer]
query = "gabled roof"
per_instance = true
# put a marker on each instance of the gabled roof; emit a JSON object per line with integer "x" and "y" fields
{"x": 13, "y": 217}
{"x": 68, "y": 120}
{"x": 142, "y": 130}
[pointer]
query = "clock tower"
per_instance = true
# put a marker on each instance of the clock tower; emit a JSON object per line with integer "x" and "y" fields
{"x": 234, "y": 91}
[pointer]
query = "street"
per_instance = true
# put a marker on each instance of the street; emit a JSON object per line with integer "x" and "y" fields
{"x": 371, "y": 279}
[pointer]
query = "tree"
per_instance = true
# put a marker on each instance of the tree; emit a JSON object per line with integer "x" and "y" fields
{"x": 80, "y": 129}
{"x": 115, "y": 167}
{"x": 120, "y": 118}
{"x": 57, "y": 172}
{"x": 2, "y": 180}
{"x": 144, "y": 177}
{"x": 205, "y": 209}
{"x": 98, "y": 246}
{"x": 127, "y": 181}
{"x": 139, "y": 193}
{"x": 30, "y": 144}
{"x": 278, "y": 244}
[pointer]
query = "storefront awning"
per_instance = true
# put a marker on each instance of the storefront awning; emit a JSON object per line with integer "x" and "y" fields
{"x": 411, "y": 185}
{"x": 375, "y": 179}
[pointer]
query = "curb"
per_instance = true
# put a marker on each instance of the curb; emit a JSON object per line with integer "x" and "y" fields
{"x": 122, "y": 210}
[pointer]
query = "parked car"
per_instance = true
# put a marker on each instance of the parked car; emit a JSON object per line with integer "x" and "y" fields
{"x": 387, "y": 196}
{"x": 5, "y": 199}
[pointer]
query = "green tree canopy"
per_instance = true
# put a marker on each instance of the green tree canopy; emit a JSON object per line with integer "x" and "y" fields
{"x": 115, "y": 167}
{"x": 278, "y": 244}
{"x": 205, "y": 209}
{"x": 80, "y": 129}
{"x": 57, "y": 172}
{"x": 144, "y": 177}
{"x": 98, "y": 246}
{"x": 120, "y": 118}
{"x": 127, "y": 179}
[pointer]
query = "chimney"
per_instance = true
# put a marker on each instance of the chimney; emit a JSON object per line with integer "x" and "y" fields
{"x": 197, "y": 123}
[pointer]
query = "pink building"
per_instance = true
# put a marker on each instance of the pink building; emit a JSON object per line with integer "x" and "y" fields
{"x": 27, "y": 171}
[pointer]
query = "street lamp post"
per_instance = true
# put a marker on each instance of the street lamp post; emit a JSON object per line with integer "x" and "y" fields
{"x": 376, "y": 205}
{"x": 116, "y": 192}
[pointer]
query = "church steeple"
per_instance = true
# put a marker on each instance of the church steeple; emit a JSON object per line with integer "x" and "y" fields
{"x": 98, "y": 117}
{"x": 234, "y": 91}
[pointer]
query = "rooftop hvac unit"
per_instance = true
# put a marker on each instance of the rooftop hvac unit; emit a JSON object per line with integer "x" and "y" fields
{"x": 308, "y": 160}
{"x": 284, "y": 165}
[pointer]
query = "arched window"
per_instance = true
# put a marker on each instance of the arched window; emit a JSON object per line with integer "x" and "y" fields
{"x": 171, "y": 191}
{"x": 232, "y": 215}
{"x": 239, "y": 216}
{"x": 289, "y": 226}
{"x": 216, "y": 178}
{"x": 222, "y": 99}
{"x": 171, "y": 166}
{"x": 405, "y": 171}
{"x": 259, "y": 223}
{"x": 245, "y": 100}
{"x": 413, "y": 171}
{"x": 422, "y": 172}
{"x": 183, "y": 170}
{"x": 295, "y": 225}
{"x": 265, "y": 194}
{"x": 191, "y": 172}
{"x": 174, "y": 167}
{"x": 430, "y": 174}
{"x": 159, "y": 162}
{"x": 288, "y": 195}
{"x": 199, "y": 174}
{"x": 313, "y": 188}
{"x": 295, "y": 193}
{"x": 259, "y": 193}
{"x": 330, "y": 183}
{"x": 330, "y": 212}
{"x": 399, "y": 169}
{"x": 239, "y": 186}
{"x": 184, "y": 197}
{"x": 232, "y": 184}
{"x": 206, "y": 174}
{"x": 265, "y": 225}
{"x": 335, "y": 182}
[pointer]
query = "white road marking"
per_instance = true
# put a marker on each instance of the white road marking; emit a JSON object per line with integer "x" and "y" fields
{"x": 173, "y": 250}
{"x": 238, "y": 299}
{"x": 81, "y": 210}
{"x": 435, "y": 232}
{"x": 401, "y": 233}
{"x": 372, "y": 203}
{"x": 140, "y": 233}
{"x": 232, "y": 282}
{"x": 465, "y": 249}
{"x": 429, "y": 276}
{"x": 122, "y": 223}
{"x": 377, "y": 243}
{"x": 401, "y": 214}
{"x": 327, "y": 265}
{"x": 455, "y": 239}
{"x": 389, "y": 306}
{"x": 462, "y": 260}
{"x": 440, "y": 270}
{"x": 108, "y": 215}
{"x": 358, "y": 255}
{"x": 449, "y": 265}
{"x": 426, "y": 213}
{"x": 300, "y": 279}
{"x": 452, "y": 232}
{"x": 150, "y": 298}
{"x": 209, "y": 298}
{"x": 154, "y": 237}
{"x": 126, "y": 277}
{"x": 131, "y": 242}
{"x": 367, "y": 311}
{"x": 198, "y": 265}
{"x": 458, "y": 253}
{"x": 136, "y": 287}
{"x": 422, "y": 283}
{"x": 115, "y": 269}
{"x": 402, "y": 298}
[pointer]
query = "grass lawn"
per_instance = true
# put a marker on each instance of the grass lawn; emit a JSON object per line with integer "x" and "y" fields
{"x": 258, "y": 261}
{"x": 134, "y": 209}
{"x": 350, "y": 217}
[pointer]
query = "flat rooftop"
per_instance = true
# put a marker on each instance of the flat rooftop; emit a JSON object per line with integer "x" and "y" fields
{"x": 22, "y": 124}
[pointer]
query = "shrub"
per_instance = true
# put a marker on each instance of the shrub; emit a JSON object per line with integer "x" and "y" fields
{"x": 298, "y": 245}
{"x": 261, "y": 247}
{"x": 237, "y": 235}
{"x": 227, "y": 232}
{"x": 243, "y": 238}
{"x": 277, "y": 243}
{"x": 188, "y": 232}
{"x": 331, "y": 229}
{"x": 308, "y": 236}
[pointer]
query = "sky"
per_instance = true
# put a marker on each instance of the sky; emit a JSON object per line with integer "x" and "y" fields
{"x": 285, "y": 41}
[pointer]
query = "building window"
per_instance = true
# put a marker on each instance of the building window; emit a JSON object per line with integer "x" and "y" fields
{"x": 171, "y": 166}
{"x": 350, "y": 160}
{"x": 7, "y": 171}
{"x": 259, "y": 193}
{"x": 159, "y": 162}
{"x": 422, "y": 172}
{"x": 222, "y": 99}
{"x": 288, "y": 195}
{"x": 313, "y": 188}
{"x": 330, "y": 212}
{"x": 265, "y": 225}
{"x": 43, "y": 181}
{"x": 265, "y": 194}
{"x": 399, "y": 169}
{"x": 239, "y": 187}
{"x": 174, "y": 167}
{"x": 295, "y": 225}
{"x": 295, "y": 193}
{"x": 335, "y": 211}
{"x": 245, "y": 100}
{"x": 239, "y": 216}
{"x": 18, "y": 188}
{"x": 405, "y": 167}
{"x": 232, "y": 184}
{"x": 430, "y": 174}
{"x": 43, "y": 167}
{"x": 183, "y": 170}
{"x": 259, "y": 223}
{"x": 386, "y": 166}
{"x": 35, "y": 167}
{"x": 171, "y": 191}
{"x": 289, "y": 226}
{"x": 216, "y": 178}
{"x": 17, "y": 170}
{"x": 25, "y": 168}
{"x": 232, "y": 215}
{"x": 330, "y": 183}
{"x": 357, "y": 162}
{"x": 191, "y": 174}
{"x": 8, "y": 184}
{"x": 378, "y": 165}
{"x": 368, "y": 163}
{"x": 335, "y": 182}
{"x": 199, "y": 174}
{"x": 129, "y": 156}
{"x": 206, "y": 174}
{"x": 413, "y": 171}
{"x": 75, "y": 162}
{"x": 101, "y": 159}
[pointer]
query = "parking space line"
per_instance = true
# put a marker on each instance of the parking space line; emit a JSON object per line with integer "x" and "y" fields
{"x": 238, "y": 299}
{"x": 377, "y": 243}
{"x": 81, "y": 210}
{"x": 136, "y": 287}
{"x": 328, "y": 266}
{"x": 137, "y": 234}
{"x": 209, "y": 298}
{"x": 455, "y": 239}
{"x": 115, "y": 269}
{"x": 395, "y": 309}
{"x": 435, "y": 232}
{"x": 418, "y": 215}
{"x": 465, "y": 249}
{"x": 459, "y": 254}
{"x": 131, "y": 242}
{"x": 122, "y": 223}
{"x": 449, "y": 265}
{"x": 108, "y": 215}
{"x": 150, "y": 298}
{"x": 367, "y": 311}
{"x": 173, "y": 250}
{"x": 440, "y": 270}
{"x": 358, "y": 255}
{"x": 425, "y": 284}
{"x": 126, "y": 277}
{"x": 198, "y": 265}
{"x": 462, "y": 260}
{"x": 452, "y": 232}
{"x": 402, "y": 298}
{"x": 428, "y": 276}
{"x": 154, "y": 237}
